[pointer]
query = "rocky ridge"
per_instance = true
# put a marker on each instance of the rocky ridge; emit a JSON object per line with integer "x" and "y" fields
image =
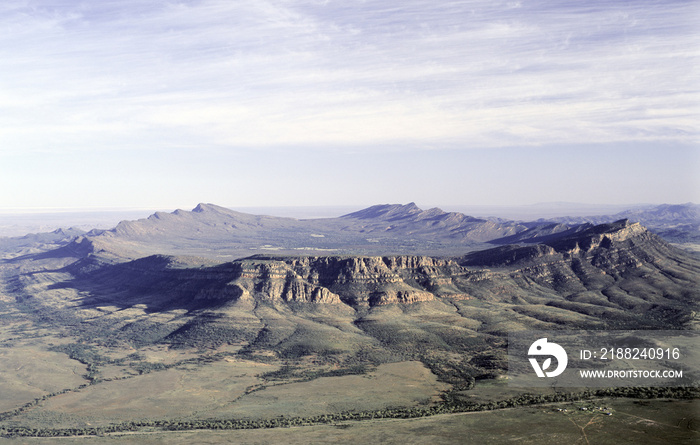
{"x": 595, "y": 260}
{"x": 674, "y": 222}
{"x": 612, "y": 276}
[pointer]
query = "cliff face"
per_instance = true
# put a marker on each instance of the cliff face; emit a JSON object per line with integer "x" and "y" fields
{"x": 275, "y": 280}
{"x": 351, "y": 280}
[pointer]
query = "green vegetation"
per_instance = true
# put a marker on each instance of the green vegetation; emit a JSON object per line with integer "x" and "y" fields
{"x": 449, "y": 405}
{"x": 297, "y": 373}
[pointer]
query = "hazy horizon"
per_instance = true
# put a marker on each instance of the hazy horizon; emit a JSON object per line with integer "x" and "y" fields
{"x": 548, "y": 204}
{"x": 122, "y": 104}
{"x": 25, "y": 221}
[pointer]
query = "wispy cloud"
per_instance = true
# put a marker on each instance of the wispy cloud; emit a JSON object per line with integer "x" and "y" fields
{"x": 77, "y": 75}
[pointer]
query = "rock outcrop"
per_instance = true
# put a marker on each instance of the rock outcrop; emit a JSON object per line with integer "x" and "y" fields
{"x": 351, "y": 280}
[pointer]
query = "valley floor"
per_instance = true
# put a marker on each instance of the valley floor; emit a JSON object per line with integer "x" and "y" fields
{"x": 632, "y": 422}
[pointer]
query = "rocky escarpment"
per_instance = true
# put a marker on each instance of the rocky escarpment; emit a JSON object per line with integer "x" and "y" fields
{"x": 599, "y": 244}
{"x": 379, "y": 280}
{"x": 363, "y": 281}
{"x": 161, "y": 281}
{"x": 598, "y": 259}
{"x": 274, "y": 280}
{"x": 604, "y": 235}
{"x": 618, "y": 264}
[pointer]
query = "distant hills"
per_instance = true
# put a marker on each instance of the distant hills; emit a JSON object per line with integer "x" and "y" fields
{"x": 656, "y": 215}
{"x": 219, "y": 233}
{"x": 37, "y": 242}
{"x": 677, "y": 223}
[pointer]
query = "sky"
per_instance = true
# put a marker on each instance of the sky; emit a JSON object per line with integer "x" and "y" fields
{"x": 165, "y": 104}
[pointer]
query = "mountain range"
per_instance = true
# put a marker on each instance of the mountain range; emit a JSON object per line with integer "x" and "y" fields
{"x": 213, "y": 313}
{"x": 679, "y": 223}
{"x": 218, "y": 233}
{"x": 366, "y": 281}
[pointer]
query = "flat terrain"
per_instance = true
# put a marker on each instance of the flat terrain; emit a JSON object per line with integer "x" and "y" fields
{"x": 631, "y": 422}
{"x": 229, "y": 389}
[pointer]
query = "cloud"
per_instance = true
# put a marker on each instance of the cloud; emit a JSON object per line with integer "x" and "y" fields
{"x": 454, "y": 74}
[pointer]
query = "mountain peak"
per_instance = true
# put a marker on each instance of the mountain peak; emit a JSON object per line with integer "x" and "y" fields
{"x": 613, "y": 226}
{"x": 205, "y": 207}
{"x": 386, "y": 211}
{"x": 608, "y": 235}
